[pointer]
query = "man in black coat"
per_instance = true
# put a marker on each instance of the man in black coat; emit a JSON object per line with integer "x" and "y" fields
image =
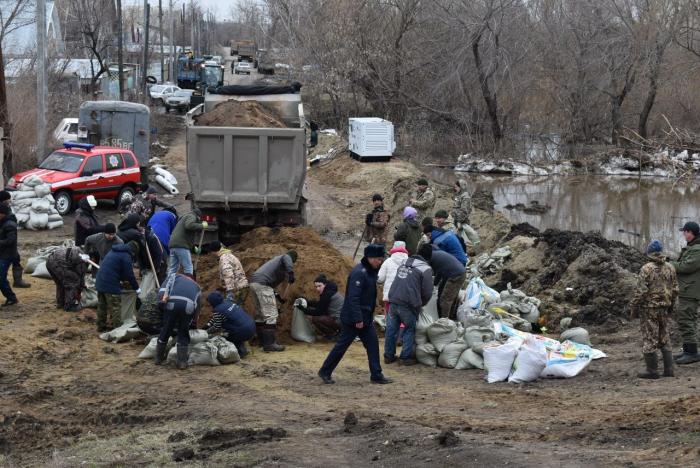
{"x": 86, "y": 223}
{"x": 357, "y": 315}
{"x": 17, "y": 269}
{"x": 8, "y": 252}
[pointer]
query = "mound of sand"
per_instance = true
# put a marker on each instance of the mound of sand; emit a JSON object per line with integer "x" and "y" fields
{"x": 258, "y": 246}
{"x": 240, "y": 114}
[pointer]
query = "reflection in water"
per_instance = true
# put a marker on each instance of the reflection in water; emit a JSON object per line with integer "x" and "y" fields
{"x": 630, "y": 210}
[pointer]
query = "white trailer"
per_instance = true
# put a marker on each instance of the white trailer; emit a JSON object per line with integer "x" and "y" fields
{"x": 371, "y": 138}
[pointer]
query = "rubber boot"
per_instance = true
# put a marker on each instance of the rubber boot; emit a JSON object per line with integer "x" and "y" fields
{"x": 652, "y": 367}
{"x": 690, "y": 354}
{"x": 161, "y": 352}
{"x": 270, "y": 340}
{"x": 182, "y": 357}
{"x": 668, "y": 362}
{"x": 18, "y": 282}
{"x": 260, "y": 329}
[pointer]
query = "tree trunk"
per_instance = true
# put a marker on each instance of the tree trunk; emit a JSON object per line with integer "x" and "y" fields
{"x": 4, "y": 120}
{"x": 654, "y": 71}
{"x": 616, "y": 119}
{"x": 120, "y": 50}
{"x": 489, "y": 97}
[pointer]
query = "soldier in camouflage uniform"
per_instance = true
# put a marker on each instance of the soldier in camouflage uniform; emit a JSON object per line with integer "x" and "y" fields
{"x": 377, "y": 222}
{"x": 462, "y": 207}
{"x": 688, "y": 270}
{"x": 146, "y": 204}
{"x": 231, "y": 273}
{"x": 423, "y": 199}
{"x": 654, "y": 301}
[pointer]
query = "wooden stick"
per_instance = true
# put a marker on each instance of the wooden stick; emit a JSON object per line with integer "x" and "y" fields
{"x": 150, "y": 260}
{"x": 199, "y": 247}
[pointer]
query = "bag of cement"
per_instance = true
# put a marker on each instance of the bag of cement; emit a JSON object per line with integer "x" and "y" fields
{"x": 42, "y": 190}
{"x": 126, "y": 332}
{"x": 567, "y": 361}
{"x": 476, "y": 318}
{"x": 426, "y": 317}
{"x": 442, "y": 332}
{"x": 41, "y": 206}
{"x": 200, "y": 354}
{"x": 54, "y": 224}
{"x": 148, "y": 284}
{"x": 469, "y": 360}
{"x": 32, "y": 263}
{"x": 498, "y": 360}
{"x": 128, "y": 305}
{"x": 427, "y": 354}
{"x": 530, "y": 362}
{"x": 198, "y": 336}
{"x": 226, "y": 351}
{"x": 149, "y": 352}
{"x": 301, "y": 329}
{"x": 32, "y": 181}
{"x": 451, "y": 353}
{"x": 23, "y": 194}
{"x": 577, "y": 335}
{"x": 475, "y": 336}
{"x": 380, "y": 321}
{"x": 37, "y": 221}
{"x": 40, "y": 271}
{"x": 88, "y": 296}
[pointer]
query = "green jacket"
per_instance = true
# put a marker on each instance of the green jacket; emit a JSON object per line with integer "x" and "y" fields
{"x": 688, "y": 270}
{"x": 183, "y": 236}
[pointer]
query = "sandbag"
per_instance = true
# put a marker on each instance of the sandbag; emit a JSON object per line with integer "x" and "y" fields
{"x": 55, "y": 217}
{"x": 40, "y": 271}
{"x": 380, "y": 321}
{"x": 479, "y": 295}
{"x": 88, "y": 296}
{"x": 149, "y": 316}
{"x": 148, "y": 284}
{"x": 198, "y": 336}
{"x": 149, "y": 352}
{"x": 426, "y": 317}
{"x": 126, "y": 332}
{"x": 51, "y": 200}
{"x": 530, "y": 362}
{"x": 22, "y": 204}
{"x": 41, "y": 206}
{"x": 32, "y": 263}
{"x": 54, "y": 224}
{"x": 577, "y": 335}
{"x": 451, "y": 353}
{"x": 567, "y": 361}
{"x": 128, "y": 305}
{"x": 475, "y": 336}
{"x": 33, "y": 180}
{"x": 301, "y": 329}
{"x": 23, "y": 194}
{"x": 565, "y": 323}
{"x": 22, "y": 218}
{"x": 427, "y": 354}
{"x": 442, "y": 332}
{"x": 200, "y": 354}
{"x": 226, "y": 351}
{"x": 498, "y": 360}
{"x": 37, "y": 221}
{"x": 469, "y": 360}
{"x": 42, "y": 190}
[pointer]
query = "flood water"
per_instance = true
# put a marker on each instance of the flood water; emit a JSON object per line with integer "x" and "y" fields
{"x": 631, "y": 210}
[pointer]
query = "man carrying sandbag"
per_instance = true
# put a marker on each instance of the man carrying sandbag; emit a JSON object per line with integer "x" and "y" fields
{"x": 182, "y": 242}
{"x": 450, "y": 275}
{"x": 263, "y": 284}
{"x": 180, "y": 299}
{"x": 232, "y": 319}
{"x": 67, "y": 267}
{"x": 231, "y": 273}
{"x": 17, "y": 269}
{"x": 411, "y": 289}
{"x": 116, "y": 267}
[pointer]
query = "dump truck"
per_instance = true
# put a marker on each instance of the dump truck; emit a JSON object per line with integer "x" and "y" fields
{"x": 247, "y": 51}
{"x": 244, "y": 177}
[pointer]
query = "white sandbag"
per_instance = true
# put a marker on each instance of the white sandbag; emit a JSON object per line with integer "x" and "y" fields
{"x": 469, "y": 360}
{"x": 577, "y": 335}
{"x": 301, "y": 329}
{"x": 42, "y": 190}
{"x": 166, "y": 174}
{"x": 88, "y": 295}
{"x": 126, "y": 332}
{"x": 226, "y": 351}
{"x": 40, "y": 271}
{"x": 475, "y": 336}
{"x": 37, "y": 221}
{"x": 442, "y": 332}
{"x": 565, "y": 323}
{"x": 200, "y": 354}
{"x": 22, "y": 204}
{"x": 564, "y": 363}
{"x": 148, "y": 284}
{"x": 427, "y": 354}
{"x": 149, "y": 352}
{"x": 498, "y": 360}
{"x": 22, "y": 218}
{"x": 55, "y": 217}
{"x": 33, "y": 180}
{"x": 479, "y": 295}
{"x": 23, "y": 194}
{"x": 167, "y": 185}
{"x": 198, "y": 336}
{"x": 49, "y": 198}
{"x": 451, "y": 353}
{"x": 128, "y": 305}
{"x": 530, "y": 362}
{"x": 54, "y": 224}
{"x": 41, "y": 206}
{"x": 32, "y": 263}
{"x": 426, "y": 317}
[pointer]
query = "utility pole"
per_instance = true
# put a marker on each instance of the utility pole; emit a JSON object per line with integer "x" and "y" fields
{"x": 41, "y": 87}
{"x": 6, "y": 163}
{"x": 147, "y": 14}
{"x": 171, "y": 69}
{"x": 160, "y": 33}
{"x": 120, "y": 50}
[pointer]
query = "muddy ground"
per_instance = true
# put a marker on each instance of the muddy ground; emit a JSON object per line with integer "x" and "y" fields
{"x": 70, "y": 399}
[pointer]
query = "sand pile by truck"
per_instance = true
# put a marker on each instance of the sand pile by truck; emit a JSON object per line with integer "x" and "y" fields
{"x": 240, "y": 114}
{"x": 258, "y": 246}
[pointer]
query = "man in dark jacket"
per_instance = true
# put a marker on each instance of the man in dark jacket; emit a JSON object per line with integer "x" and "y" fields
{"x": 86, "y": 223}
{"x": 180, "y": 299}
{"x": 262, "y": 285}
{"x": 116, "y": 267}
{"x": 377, "y": 221}
{"x": 17, "y": 269}
{"x": 411, "y": 289}
{"x": 182, "y": 242}
{"x": 450, "y": 275}
{"x": 231, "y": 318}
{"x": 8, "y": 252}
{"x": 67, "y": 267}
{"x": 324, "y": 313}
{"x": 688, "y": 273}
{"x": 162, "y": 223}
{"x": 97, "y": 246}
{"x": 131, "y": 230}
{"x": 409, "y": 231}
{"x": 447, "y": 241}
{"x": 357, "y": 315}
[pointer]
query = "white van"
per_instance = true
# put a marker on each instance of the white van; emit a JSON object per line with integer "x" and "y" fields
{"x": 67, "y": 130}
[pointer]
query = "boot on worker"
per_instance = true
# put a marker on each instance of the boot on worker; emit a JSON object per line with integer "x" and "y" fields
{"x": 688, "y": 270}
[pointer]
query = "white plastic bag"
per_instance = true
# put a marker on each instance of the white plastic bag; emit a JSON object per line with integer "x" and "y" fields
{"x": 33, "y": 180}
{"x": 530, "y": 362}
{"x": 301, "y": 329}
{"x": 567, "y": 361}
{"x": 37, "y": 221}
{"x": 54, "y": 224}
{"x": 442, "y": 332}
{"x": 40, "y": 271}
{"x": 32, "y": 263}
{"x": 498, "y": 360}
{"x": 227, "y": 353}
{"x": 41, "y": 206}
{"x": 128, "y": 300}
{"x": 148, "y": 284}
{"x": 427, "y": 354}
{"x": 451, "y": 353}
{"x": 198, "y": 336}
{"x": 469, "y": 360}
{"x": 426, "y": 317}
{"x": 149, "y": 352}
{"x": 479, "y": 295}
{"x": 23, "y": 194}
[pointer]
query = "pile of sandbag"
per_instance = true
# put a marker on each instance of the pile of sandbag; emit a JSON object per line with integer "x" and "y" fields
{"x": 489, "y": 264}
{"x": 36, "y": 265}
{"x": 203, "y": 350}
{"x": 34, "y": 206}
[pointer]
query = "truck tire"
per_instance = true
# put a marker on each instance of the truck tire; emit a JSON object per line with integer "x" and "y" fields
{"x": 64, "y": 202}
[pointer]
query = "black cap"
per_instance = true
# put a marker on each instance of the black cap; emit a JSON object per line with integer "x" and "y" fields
{"x": 441, "y": 214}
{"x": 110, "y": 228}
{"x": 215, "y": 246}
{"x": 422, "y": 182}
{"x": 5, "y": 195}
{"x": 374, "y": 251}
{"x": 321, "y": 279}
{"x": 691, "y": 226}
{"x": 377, "y": 197}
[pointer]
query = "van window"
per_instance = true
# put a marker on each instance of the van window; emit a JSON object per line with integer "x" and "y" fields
{"x": 114, "y": 161}
{"x": 73, "y": 128}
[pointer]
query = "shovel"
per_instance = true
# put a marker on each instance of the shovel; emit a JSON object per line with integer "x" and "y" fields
{"x": 199, "y": 248}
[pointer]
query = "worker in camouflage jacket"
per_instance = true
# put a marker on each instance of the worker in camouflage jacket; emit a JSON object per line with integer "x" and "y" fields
{"x": 462, "y": 207}
{"x": 67, "y": 267}
{"x": 688, "y": 270}
{"x": 423, "y": 199}
{"x": 231, "y": 273}
{"x": 653, "y": 302}
{"x": 146, "y": 204}
{"x": 377, "y": 222}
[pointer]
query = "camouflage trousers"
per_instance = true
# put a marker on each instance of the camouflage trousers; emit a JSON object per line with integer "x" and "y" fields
{"x": 109, "y": 307}
{"x": 265, "y": 304}
{"x": 687, "y": 318}
{"x": 654, "y": 325}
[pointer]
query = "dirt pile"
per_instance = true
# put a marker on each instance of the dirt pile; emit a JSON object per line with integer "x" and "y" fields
{"x": 240, "y": 114}
{"x": 260, "y": 245}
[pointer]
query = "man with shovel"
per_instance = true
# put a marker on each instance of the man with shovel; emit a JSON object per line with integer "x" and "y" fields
{"x": 182, "y": 242}
{"x": 262, "y": 285}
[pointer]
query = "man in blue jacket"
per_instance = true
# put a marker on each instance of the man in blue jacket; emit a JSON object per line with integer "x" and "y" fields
{"x": 444, "y": 240}
{"x": 163, "y": 223}
{"x": 117, "y": 266}
{"x": 180, "y": 299}
{"x": 357, "y": 315}
{"x": 450, "y": 275}
{"x": 231, "y": 318}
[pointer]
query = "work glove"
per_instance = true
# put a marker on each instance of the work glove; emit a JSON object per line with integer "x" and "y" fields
{"x": 197, "y": 250}
{"x": 85, "y": 257}
{"x": 205, "y": 225}
{"x": 138, "y": 291}
{"x": 290, "y": 277}
{"x": 368, "y": 219}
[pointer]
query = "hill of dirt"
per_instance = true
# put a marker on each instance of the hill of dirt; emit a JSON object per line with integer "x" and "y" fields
{"x": 240, "y": 114}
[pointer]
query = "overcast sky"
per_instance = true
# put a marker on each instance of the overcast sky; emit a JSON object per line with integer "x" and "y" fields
{"x": 222, "y": 8}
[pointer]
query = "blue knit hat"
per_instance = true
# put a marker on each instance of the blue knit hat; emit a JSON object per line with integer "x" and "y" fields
{"x": 215, "y": 298}
{"x": 655, "y": 246}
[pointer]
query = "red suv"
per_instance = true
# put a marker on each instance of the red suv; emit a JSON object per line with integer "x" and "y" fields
{"x": 82, "y": 169}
